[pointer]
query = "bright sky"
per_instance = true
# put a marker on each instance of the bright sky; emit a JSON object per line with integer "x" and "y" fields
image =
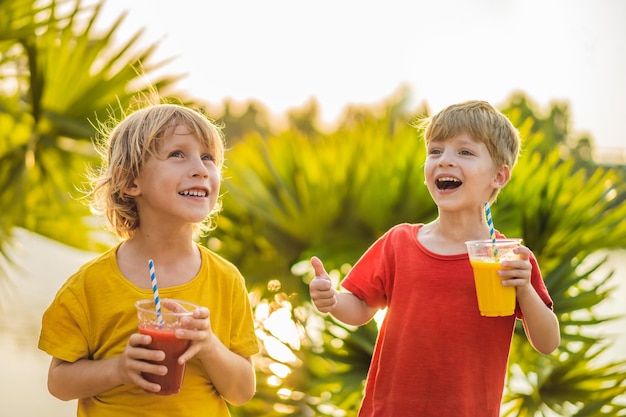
{"x": 285, "y": 52}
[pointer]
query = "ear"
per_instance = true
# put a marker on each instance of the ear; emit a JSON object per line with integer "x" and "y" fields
{"x": 133, "y": 189}
{"x": 502, "y": 177}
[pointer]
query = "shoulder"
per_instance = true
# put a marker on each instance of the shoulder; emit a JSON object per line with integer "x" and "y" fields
{"x": 403, "y": 228}
{"x": 397, "y": 238}
{"x": 402, "y": 231}
{"x": 94, "y": 267}
{"x": 213, "y": 258}
{"x": 219, "y": 266}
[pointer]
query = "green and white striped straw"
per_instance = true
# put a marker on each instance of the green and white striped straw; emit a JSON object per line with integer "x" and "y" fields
{"x": 492, "y": 231}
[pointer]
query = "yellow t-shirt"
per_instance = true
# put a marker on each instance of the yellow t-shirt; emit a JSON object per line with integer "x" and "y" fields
{"x": 93, "y": 315}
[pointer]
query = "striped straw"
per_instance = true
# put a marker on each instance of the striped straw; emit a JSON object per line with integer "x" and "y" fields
{"x": 491, "y": 230}
{"x": 155, "y": 292}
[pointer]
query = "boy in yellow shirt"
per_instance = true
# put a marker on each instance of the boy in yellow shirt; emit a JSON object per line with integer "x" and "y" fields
{"x": 159, "y": 186}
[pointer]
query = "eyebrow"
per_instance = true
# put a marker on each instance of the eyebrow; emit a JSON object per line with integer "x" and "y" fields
{"x": 462, "y": 141}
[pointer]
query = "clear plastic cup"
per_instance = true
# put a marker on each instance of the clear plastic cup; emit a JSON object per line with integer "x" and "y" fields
{"x": 164, "y": 338}
{"x": 494, "y": 299}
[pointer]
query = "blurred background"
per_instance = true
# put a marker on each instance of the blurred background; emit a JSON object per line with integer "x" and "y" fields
{"x": 311, "y": 95}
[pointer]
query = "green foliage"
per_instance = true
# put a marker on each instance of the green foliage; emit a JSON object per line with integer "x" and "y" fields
{"x": 302, "y": 192}
{"x": 60, "y": 78}
{"x": 290, "y": 196}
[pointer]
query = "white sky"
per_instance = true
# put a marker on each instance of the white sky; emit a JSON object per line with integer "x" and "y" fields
{"x": 285, "y": 52}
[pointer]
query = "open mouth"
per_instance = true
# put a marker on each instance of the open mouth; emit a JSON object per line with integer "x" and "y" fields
{"x": 447, "y": 183}
{"x": 193, "y": 193}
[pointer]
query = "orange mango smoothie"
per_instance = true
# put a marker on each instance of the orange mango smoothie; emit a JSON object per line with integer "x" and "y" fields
{"x": 494, "y": 299}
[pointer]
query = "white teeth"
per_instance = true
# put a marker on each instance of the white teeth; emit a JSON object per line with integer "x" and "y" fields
{"x": 448, "y": 179}
{"x": 193, "y": 193}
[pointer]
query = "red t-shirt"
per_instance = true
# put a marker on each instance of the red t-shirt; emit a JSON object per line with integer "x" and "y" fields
{"x": 435, "y": 354}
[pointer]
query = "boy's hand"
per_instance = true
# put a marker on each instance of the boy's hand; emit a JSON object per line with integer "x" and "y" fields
{"x": 196, "y": 328}
{"x": 517, "y": 272}
{"x": 323, "y": 295}
{"x": 134, "y": 361}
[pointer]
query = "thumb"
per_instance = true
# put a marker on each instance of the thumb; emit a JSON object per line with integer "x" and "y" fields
{"x": 318, "y": 266}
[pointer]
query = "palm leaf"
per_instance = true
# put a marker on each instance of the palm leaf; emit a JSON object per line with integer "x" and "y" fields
{"x": 67, "y": 91}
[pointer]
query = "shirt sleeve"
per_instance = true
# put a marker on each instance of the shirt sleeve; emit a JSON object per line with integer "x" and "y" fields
{"x": 243, "y": 338}
{"x": 371, "y": 278}
{"x": 63, "y": 329}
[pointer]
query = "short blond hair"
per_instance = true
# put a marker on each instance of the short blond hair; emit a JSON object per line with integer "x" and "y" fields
{"x": 483, "y": 123}
{"x": 127, "y": 146}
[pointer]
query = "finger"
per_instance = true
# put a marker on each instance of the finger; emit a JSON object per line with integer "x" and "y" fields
{"x": 521, "y": 264}
{"x": 325, "y": 302}
{"x": 149, "y": 368}
{"x": 201, "y": 313}
{"x": 320, "y": 285}
{"x": 188, "y": 354}
{"x": 144, "y": 384}
{"x": 514, "y": 273}
{"x": 198, "y": 321}
{"x": 139, "y": 379}
{"x": 523, "y": 252}
{"x": 143, "y": 354}
{"x": 138, "y": 339}
{"x": 173, "y": 306}
{"x": 318, "y": 266}
{"x": 148, "y": 386}
{"x": 325, "y": 307}
{"x": 514, "y": 282}
{"x": 194, "y": 334}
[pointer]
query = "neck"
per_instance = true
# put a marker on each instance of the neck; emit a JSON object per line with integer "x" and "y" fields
{"x": 459, "y": 227}
{"x": 177, "y": 260}
{"x": 165, "y": 247}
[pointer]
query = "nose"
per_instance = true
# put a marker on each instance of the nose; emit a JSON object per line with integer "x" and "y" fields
{"x": 199, "y": 168}
{"x": 446, "y": 158}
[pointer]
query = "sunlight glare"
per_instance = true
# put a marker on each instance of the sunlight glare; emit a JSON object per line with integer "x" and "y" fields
{"x": 302, "y": 268}
{"x": 262, "y": 311}
{"x": 379, "y": 317}
{"x": 280, "y": 324}
{"x": 274, "y": 381}
{"x": 284, "y": 393}
{"x": 278, "y": 350}
{"x": 284, "y": 408}
{"x": 280, "y": 370}
{"x": 610, "y": 196}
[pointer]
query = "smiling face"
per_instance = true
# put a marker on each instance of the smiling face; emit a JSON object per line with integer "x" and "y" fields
{"x": 179, "y": 182}
{"x": 472, "y": 148}
{"x": 460, "y": 173}
{"x": 143, "y": 138}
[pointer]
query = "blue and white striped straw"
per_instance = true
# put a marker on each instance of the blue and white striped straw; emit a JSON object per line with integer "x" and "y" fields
{"x": 155, "y": 292}
{"x": 492, "y": 231}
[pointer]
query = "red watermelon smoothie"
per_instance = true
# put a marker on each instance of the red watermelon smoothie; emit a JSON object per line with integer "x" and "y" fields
{"x": 163, "y": 338}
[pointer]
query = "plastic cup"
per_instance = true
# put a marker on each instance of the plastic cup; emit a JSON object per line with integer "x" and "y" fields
{"x": 163, "y": 338}
{"x": 494, "y": 299}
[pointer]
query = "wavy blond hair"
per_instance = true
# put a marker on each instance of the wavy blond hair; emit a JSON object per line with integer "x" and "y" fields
{"x": 124, "y": 150}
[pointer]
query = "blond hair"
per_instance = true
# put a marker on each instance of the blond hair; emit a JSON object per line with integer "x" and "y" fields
{"x": 483, "y": 123}
{"x": 127, "y": 146}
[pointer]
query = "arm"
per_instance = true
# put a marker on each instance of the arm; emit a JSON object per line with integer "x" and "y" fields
{"x": 232, "y": 375}
{"x": 540, "y": 323}
{"x": 87, "y": 378}
{"x": 344, "y": 306}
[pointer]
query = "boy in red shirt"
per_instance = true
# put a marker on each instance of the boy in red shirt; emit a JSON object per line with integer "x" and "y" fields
{"x": 435, "y": 354}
